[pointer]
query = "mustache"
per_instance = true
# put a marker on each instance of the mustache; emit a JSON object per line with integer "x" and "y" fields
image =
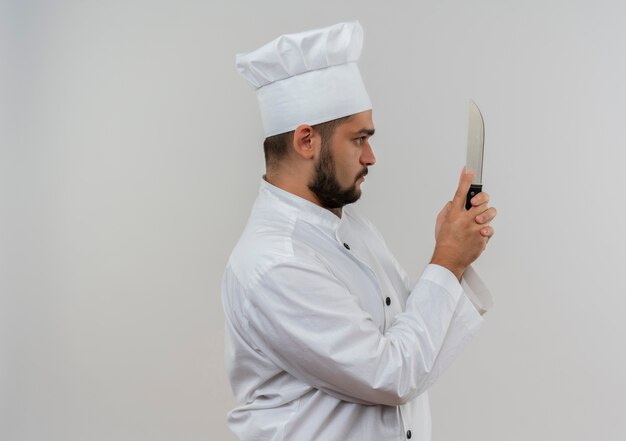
{"x": 363, "y": 173}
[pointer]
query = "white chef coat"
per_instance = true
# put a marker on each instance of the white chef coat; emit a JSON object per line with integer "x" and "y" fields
{"x": 326, "y": 337}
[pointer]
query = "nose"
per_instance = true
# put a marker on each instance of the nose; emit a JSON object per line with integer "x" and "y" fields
{"x": 367, "y": 155}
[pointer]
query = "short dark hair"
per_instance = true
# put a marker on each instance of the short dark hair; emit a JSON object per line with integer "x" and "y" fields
{"x": 276, "y": 147}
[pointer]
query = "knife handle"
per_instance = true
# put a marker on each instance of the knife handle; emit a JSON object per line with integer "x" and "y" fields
{"x": 473, "y": 191}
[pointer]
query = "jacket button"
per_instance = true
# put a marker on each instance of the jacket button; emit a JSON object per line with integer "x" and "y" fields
{"x": 388, "y": 302}
{"x": 408, "y": 434}
{"x": 346, "y": 245}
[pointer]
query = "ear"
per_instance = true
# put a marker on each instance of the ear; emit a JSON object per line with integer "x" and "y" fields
{"x": 306, "y": 142}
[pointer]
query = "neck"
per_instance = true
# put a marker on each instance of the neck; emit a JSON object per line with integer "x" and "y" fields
{"x": 299, "y": 189}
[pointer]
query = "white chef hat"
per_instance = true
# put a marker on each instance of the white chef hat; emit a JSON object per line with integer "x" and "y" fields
{"x": 308, "y": 77}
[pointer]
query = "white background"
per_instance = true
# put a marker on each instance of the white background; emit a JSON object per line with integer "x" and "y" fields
{"x": 131, "y": 152}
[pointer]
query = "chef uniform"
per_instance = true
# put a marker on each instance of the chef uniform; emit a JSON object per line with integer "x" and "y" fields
{"x": 326, "y": 337}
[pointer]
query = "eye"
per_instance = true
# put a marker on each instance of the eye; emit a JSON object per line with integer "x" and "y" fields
{"x": 361, "y": 139}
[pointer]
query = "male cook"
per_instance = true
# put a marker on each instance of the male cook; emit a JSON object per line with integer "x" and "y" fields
{"x": 326, "y": 337}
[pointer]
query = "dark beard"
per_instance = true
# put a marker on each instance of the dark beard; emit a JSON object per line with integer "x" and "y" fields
{"x": 325, "y": 185}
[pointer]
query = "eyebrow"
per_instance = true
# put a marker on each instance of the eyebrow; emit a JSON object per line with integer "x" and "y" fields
{"x": 365, "y": 131}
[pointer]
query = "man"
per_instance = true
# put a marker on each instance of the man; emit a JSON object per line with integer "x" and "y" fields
{"x": 327, "y": 338}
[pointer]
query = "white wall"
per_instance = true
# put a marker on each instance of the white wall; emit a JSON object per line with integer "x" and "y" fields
{"x": 131, "y": 153}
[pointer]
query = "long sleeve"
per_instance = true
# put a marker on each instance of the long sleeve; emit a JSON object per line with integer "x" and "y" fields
{"x": 311, "y": 325}
{"x": 476, "y": 291}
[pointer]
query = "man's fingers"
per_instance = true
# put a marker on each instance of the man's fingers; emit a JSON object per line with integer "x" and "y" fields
{"x": 487, "y": 232}
{"x": 486, "y": 216}
{"x": 465, "y": 181}
{"x": 480, "y": 199}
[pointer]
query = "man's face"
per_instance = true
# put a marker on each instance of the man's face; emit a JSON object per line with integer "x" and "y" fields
{"x": 342, "y": 164}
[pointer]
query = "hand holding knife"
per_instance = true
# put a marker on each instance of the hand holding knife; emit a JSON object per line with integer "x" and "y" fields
{"x": 461, "y": 236}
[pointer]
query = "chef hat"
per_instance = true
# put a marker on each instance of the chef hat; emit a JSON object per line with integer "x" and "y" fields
{"x": 308, "y": 77}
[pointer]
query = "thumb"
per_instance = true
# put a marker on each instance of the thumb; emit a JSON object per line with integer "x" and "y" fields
{"x": 465, "y": 181}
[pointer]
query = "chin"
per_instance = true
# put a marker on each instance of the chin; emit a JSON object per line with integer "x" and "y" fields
{"x": 357, "y": 194}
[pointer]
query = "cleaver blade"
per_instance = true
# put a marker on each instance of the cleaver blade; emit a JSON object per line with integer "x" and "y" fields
{"x": 475, "y": 150}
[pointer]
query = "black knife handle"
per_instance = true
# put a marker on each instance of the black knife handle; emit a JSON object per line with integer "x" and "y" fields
{"x": 473, "y": 191}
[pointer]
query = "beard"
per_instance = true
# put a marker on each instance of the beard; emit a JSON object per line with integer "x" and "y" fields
{"x": 326, "y": 186}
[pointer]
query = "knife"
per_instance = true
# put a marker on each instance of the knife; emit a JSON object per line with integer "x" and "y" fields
{"x": 475, "y": 147}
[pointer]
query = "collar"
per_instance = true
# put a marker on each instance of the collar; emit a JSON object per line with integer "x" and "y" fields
{"x": 302, "y": 208}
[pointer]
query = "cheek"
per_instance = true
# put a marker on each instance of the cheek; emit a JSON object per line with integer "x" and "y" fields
{"x": 348, "y": 167}
{"x": 347, "y": 163}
